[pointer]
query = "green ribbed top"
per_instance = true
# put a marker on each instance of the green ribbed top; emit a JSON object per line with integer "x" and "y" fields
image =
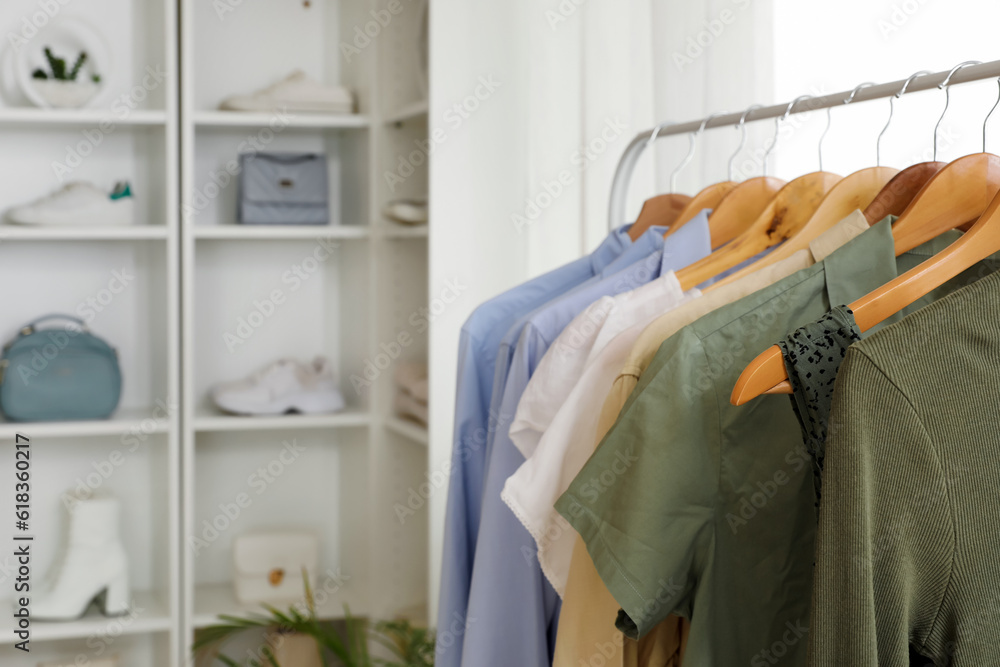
{"x": 908, "y": 547}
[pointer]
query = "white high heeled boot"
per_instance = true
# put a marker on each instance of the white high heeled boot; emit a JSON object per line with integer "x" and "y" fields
{"x": 93, "y": 565}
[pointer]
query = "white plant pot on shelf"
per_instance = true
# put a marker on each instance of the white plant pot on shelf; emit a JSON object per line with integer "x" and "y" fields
{"x": 66, "y": 94}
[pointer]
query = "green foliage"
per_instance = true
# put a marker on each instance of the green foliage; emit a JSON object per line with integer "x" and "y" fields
{"x": 410, "y": 646}
{"x": 57, "y": 66}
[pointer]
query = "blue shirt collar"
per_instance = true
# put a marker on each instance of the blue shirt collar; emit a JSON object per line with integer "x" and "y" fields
{"x": 610, "y": 249}
{"x": 689, "y": 244}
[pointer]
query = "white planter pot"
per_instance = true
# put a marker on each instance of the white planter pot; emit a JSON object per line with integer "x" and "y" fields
{"x": 66, "y": 94}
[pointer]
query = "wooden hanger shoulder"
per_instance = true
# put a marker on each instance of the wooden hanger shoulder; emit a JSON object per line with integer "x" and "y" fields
{"x": 709, "y": 197}
{"x": 851, "y": 193}
{"x": 741, "y": 207}
{"x": 784, "y": 215}
{"x": 900, "y": 191}
{"x": 659, "y": 210}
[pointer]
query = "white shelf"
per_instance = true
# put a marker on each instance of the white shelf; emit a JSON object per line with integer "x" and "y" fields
{"x": 28, "y": 116}
{"x": 395, "y": 231}
{"x": 289, "y": 120}
{"x": 408, "y": 112}
{"x": 211, "y": 600}
{"x": 120, "y": 423}
{"x": 215, "y": 421}
{"x": 408, "y": 429}
{"x": 279, "y": 232}
{"x": 150, "y": 615}
{"x": 126, "y": 233}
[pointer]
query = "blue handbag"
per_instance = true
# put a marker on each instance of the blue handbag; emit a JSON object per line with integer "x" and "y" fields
{"x": 58, "y": 374}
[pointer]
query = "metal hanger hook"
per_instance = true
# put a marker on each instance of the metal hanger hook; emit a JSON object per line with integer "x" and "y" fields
{"x": 741, "y": 126}
{"x": 947, "y": 96}
{"x": 995, "y": 105}
{"x": 690, "y": 154}
{"x": 892, "y": 110}
{"x": 828, "y": 119}
{"x": 777, "y": 126}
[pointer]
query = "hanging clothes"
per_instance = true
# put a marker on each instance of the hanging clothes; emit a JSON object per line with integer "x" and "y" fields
{"x": 509, "y": 596}
{"x": 907, "y": 544}
{"x": 479, "y": 342}
{"x": 710, "y": 523}
{"x": 584, "y": 624}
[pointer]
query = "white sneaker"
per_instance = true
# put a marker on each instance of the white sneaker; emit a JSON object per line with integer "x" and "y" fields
{"x": 78, "y": 203}
{"x": 407, "y": 211}
{"x": 284, "y": 386}
{"x": 295, "y": 93}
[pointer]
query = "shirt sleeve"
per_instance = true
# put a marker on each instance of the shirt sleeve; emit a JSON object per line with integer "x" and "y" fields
{"x": 885, "y": 539}
{"x": 464, "y": 495}
{"x": 645, "y": 503}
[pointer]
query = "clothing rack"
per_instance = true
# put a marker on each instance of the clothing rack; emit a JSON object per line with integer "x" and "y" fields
{"x": 626, "y": 166}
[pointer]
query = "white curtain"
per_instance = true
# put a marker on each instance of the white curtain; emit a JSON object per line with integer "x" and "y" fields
{"x": 522, "y": 184}
{"x": 601, "y": 72}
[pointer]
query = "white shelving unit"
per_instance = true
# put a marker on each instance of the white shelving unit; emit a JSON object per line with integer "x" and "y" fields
{"x": 354, "y": 468}
{"x": 129, "y": 132}
{"x": 194, "y": 277}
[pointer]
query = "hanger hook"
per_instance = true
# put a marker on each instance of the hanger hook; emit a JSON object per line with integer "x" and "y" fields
{"x": 892, "y": 109}
{"x": 995, "y": 105}
{"x": 743, "y": 136}
{"x": 690, "y": 154}
{"x": 828, "y": 119}
{"x": 777, "y": 126}
{"x": 947, "y": 97}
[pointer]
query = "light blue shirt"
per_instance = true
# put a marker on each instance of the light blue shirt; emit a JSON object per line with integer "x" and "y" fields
{"x": 477, "y": 356}
{"x": 513, "y": 610}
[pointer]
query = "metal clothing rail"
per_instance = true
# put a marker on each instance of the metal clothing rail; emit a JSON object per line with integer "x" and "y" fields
{"x": 629, "y": 159}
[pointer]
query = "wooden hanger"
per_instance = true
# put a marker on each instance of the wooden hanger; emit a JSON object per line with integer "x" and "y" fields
{"x": 745, "y": 202}
{"x": 659, "y": 210}
{"x": 959, "y": 193}
{"x": 853, "y": 192}
{"x": 738, "y": 209}
{"x": 901, "y": 190}
{"x": 784, "y": 216}
{"x": 849, "y": 194}
{"x": 709, "y": 197}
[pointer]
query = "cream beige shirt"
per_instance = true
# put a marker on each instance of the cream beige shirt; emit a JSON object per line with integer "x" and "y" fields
{"x": 587, "y": 620}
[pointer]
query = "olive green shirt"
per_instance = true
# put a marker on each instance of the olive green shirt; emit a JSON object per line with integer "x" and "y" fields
{"x": 908, "y": 548}
{"x": 693, "y": 506}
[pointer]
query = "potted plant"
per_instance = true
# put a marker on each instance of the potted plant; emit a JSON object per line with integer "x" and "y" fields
{"x": 297, "y": 638}
{"x": 62, "y": 86}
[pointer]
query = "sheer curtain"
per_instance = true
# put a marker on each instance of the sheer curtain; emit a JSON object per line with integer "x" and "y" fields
{"x": 521, "y": 184}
